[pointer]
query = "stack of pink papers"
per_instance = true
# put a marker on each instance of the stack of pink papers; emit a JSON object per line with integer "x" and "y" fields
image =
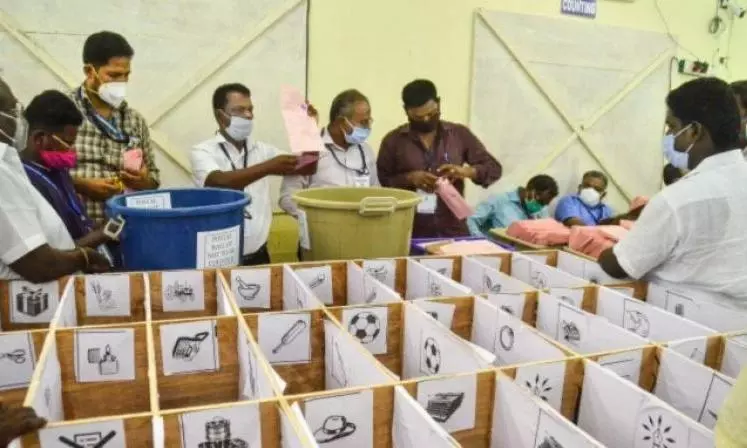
{"x": 303, "y": 133}
{"x": 592, "y": 241}
{"x": 476, "y": 247}
{"x": 453, "y": 199}
{"x": 543, "y": 232}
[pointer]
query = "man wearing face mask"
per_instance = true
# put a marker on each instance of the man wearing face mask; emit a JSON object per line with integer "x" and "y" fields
{"x": 693, "y": 234}
{"x": 416, "y": 154}
{"x": 502, "y": 210}
{"x": 346, "y": 160}
{"x": 35, "y": 245}
{"x": 232, "y": 159}
{"x": 53, "y": 122}
{"x": 585, "y": 208}
{"x": 111, "y": 128}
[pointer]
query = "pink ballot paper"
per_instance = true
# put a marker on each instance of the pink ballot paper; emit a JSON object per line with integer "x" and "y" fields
{"x": 303, "y": 133}
{"x": 453, "y": 199}
{"x": 132, "y": 161}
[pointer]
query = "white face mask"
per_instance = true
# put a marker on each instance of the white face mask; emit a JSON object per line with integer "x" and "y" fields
{"x": 22, "y": 131}
{"x": 676, "y": 158}
{"x": 113, "y": 93}
{"x": 240, "y": 128}
{"x": 590, "y": 197}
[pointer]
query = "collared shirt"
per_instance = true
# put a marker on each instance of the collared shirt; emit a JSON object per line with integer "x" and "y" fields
{"x": 99, "y": 156}
{"x": 402, "y": 152}
{"x": 500, "y": 211}
{"x": 207, "y": 157}
{"x": 57, "y": 188}
{"x": 27, "y": 221}
{"x": 693, "y": 233}
{"x": 572, "y": 206}
{"x": 341, "y": 171}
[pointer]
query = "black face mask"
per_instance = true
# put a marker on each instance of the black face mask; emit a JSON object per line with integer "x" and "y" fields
{"x": 425, "y": 127}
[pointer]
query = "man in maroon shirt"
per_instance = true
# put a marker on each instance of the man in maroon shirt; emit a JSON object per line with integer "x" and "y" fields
{"x": 414, "y": 155}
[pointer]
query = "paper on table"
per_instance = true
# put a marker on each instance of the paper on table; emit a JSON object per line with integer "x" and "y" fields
{"x": 471, "y": 248}
{"x": 453, "y": 199}
{"x": 302, "y": 130}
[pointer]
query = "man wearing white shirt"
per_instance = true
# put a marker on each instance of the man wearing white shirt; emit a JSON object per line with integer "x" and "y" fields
{"x": 693, "y": 234}
{"x": 346, "y": 159}
{"x": 231, "y": 159}
{"x": 34, "y": 242}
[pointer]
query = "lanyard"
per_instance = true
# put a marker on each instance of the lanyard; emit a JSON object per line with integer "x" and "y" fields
{"x": 363, "y": 171}
{"x": 230, "y": 160}
{"x": 593, "y": 216}
{"x": 106, "y": 128}
{"x": 70, "y": 200}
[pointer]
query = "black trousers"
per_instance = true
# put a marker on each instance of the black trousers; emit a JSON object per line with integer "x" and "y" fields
{"x": 261, "y": 256}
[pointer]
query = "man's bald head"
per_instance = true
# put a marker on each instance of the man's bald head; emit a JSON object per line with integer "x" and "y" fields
{"x": 8, "y": 103}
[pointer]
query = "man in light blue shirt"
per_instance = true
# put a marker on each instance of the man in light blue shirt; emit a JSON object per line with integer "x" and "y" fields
{"x": 501, "y": 210}
{"x": 586, "y": 208}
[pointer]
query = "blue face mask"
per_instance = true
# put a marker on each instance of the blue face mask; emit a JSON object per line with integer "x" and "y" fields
{"x": 358, "y": 135}
{"x": 678, "y": 159}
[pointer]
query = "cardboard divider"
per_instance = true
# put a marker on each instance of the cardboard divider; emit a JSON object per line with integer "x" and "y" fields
{"x": 479, "y": 434}
{"x": 181, "y": 390}
{"x": 181, "y": 291}
{"x": 37, "y": 303}
{"x": 15, "y": 397}
{"x": 268, "y": 411}
{"x": 138, "y": 431}
{"x": 84, "y": 400}
{"x": 83, "y": 294}
{"x": 392, "y": 358}
{"x": 302, "y": 377}
{"x": 381, "y": 414}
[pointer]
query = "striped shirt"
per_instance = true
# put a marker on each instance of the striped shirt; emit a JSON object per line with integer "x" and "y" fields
{"x": 99, "y": 155}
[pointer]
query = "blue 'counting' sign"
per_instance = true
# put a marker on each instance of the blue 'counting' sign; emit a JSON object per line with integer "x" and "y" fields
{"x": 583, "y": 8}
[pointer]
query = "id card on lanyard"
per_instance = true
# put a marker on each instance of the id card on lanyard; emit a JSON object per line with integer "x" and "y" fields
{"x": 247, "y": 215}
{"x": 361, "y": 176}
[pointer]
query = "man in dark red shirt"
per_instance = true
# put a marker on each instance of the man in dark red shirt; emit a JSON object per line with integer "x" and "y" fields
{"x": 414, "y": 155}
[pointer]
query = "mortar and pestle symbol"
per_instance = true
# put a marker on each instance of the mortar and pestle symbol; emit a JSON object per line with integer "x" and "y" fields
{"x": 247, "y": 291}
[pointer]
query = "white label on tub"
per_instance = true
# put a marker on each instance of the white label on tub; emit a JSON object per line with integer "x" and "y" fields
{"x": 153, "y": 201}
{"x": 303, "y": 230}
{"x": 218, "y": 248}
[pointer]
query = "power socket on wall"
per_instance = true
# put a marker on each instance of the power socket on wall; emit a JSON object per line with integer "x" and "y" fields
{"x": 693, "y": 68}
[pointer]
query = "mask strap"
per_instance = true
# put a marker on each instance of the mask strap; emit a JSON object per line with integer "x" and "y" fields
{"x": 7, "y": 136}
{"x": 63, "y": 142}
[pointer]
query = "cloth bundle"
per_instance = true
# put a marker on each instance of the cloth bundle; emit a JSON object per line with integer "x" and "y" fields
{"x": 592, "y": 241}
{"x": 544, "y": 232}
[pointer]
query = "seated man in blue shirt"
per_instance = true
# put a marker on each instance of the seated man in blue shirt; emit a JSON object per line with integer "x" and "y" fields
{"x": 586, "y": 208}
{"x": 501, "y": 210}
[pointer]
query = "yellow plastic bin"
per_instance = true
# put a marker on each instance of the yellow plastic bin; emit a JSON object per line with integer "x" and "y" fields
{"x": 341, "y": 223}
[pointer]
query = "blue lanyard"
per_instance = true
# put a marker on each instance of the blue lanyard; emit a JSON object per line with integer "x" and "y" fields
{"x": 71, "y": 201}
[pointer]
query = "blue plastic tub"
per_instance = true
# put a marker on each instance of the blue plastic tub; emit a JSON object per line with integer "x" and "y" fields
{"x": 416, "y": 250}
{"x": 190, "y": 228}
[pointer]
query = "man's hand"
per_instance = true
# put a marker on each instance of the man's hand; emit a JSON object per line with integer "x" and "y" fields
{"x": 98, "y": 189}
{"x": 312, "y": 112}
{"x": 137, "y": 181}
{"x": 422, "y": 180}
{"x": 456, "y": 172}
{"x": 97, "y": 263}
{"x": 282, "y": 165}
{"x": 16, "y": 422}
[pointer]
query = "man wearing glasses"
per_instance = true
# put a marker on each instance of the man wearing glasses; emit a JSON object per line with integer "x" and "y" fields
{"x": 232, "y": 159}
{"x": 346, "y": 159}
{"x": 416, "y": 154}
